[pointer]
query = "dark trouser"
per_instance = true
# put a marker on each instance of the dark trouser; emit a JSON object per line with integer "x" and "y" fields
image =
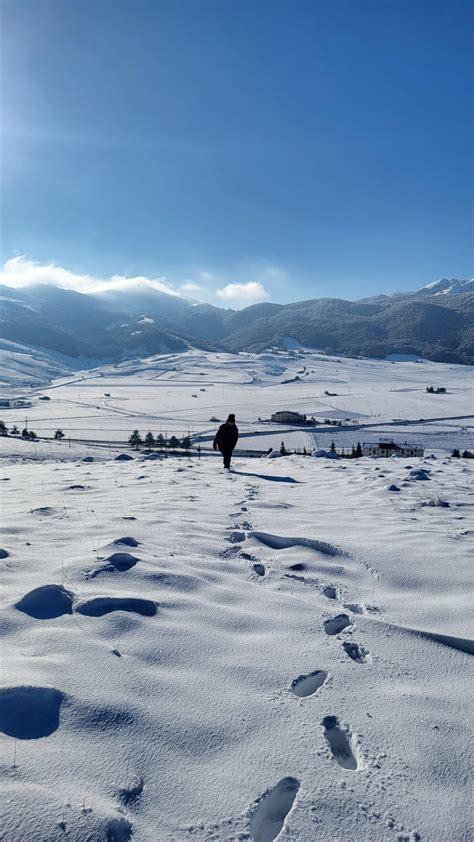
{"x": 226, "y": 453}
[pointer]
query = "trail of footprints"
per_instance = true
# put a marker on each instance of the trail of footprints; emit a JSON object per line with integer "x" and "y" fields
{"x": 268, "y": 814}
{"x": 39, "y": 707}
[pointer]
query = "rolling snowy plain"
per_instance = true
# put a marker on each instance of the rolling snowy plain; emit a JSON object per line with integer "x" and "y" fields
{"x": 279, "y": 652}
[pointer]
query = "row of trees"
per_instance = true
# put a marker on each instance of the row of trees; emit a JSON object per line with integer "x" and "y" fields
{"x": 466, "y": 454}
{"x": 356, "y": 451}
{"x": 25, "y": 433}
{"x": 150, "y": 441}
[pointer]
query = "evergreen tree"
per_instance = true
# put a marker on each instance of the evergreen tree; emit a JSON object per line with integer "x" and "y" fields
{"x": 456, "y": 453}
{"x": 333, "y": 447}
{"x": 359, "y": 450}
{"x": 174, "y": 443}
{"x": 24, "y": 433}
{"x": 3, "y": 429}
{"x": 135, "y": 439}
{"x": 353, "y": 452}
{"x": 186, "y": 443}
{"x": 15, "y": 431}
{"x": 283, "y": 449}
{"x": 149, "y": 441}
{"x": 59, "y": 435}
{"x": 33, "y": 435}
{"x": 466, "y": 454}
{"x": 160, "y": 441}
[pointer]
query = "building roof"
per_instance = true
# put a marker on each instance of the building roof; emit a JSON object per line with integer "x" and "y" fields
{"x": 390, "y": 445}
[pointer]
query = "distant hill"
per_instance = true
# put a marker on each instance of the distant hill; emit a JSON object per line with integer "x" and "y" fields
{"x": 436, "y": 322}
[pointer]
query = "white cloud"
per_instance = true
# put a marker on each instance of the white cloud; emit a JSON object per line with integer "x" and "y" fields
{"x": 250, "y": 292}
{"x": 190, "y": 286}
{"x": 206, "y": 276}
{"x": 22, "y": 272}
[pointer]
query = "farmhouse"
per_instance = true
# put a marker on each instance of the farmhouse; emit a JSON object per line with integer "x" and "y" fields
{"x": 288, "y": 417}
{"x": 389, "y": 448}
{"x": 12, "y": 403}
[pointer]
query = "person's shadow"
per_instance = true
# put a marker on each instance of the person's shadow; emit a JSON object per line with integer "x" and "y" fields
{"x": 265, "y": 476}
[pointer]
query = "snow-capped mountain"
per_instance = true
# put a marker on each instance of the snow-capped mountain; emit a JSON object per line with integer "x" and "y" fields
{"x": 448, "y": 286}
{"x": 435, "y": 322}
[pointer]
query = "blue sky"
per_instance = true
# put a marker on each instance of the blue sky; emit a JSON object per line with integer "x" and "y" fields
{"x": 305, "y": 148}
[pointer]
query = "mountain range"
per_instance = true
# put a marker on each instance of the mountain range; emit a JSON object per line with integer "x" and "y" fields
{"x": 435, "y": 322}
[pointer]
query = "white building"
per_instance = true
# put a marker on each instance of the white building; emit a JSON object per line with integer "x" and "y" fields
{"x": 389, "y": 448}
{"x": 288, "y": 417}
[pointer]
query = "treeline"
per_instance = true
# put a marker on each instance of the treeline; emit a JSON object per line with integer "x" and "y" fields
{"x": 466, "y": 454}
{"x": 25, "y": 433}
{"x": 160, "y": 442}
{"x": 354, "y": 453}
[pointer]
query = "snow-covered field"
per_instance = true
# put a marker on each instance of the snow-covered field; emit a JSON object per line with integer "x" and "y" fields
{"x": 189, "y": 654}
{"x": 178, "y": 394}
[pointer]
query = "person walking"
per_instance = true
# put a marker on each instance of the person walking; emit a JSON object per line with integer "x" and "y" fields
{"x": 226, "y": 439}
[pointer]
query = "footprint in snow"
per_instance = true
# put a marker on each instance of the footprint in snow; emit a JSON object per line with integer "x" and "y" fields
{"x": 130, "y": 793}
{"x": 340, "y": 742}
{"x": 236, "y": 537}
{"x": 336, "y": 624}
{"x": 307, "y": 685}
{"x": 272, "y": 809}
{"x": 356, "y": 652}
{"x": 331, "y": 592}
{"x": 355, "y": 607}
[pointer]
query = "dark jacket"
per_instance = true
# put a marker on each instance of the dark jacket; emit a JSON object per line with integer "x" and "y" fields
{"x": 226, "y": 437}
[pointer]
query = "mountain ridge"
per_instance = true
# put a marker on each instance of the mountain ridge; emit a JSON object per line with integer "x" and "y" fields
{"x": 435, "y": 322}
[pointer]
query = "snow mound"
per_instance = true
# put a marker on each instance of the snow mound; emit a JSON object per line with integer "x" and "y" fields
{"x": 100, "y": 605}
{"x": 128, "y": 541}
{"x": 418, "y": 474}
{"x": 46, "y": 602}
{"x": 324, "y": 454}
{"x": 28, "y": 713}
{"x": 434, "y": 502}
{"x": 279, "y": 542}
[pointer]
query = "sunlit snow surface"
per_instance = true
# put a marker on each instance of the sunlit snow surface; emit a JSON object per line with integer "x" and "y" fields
{"x": 192, "y": 654}
{"x": 178, "y": 394}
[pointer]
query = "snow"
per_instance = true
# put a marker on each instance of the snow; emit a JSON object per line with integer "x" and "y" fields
{"x": 277, "y": 652}
{"x": 194, "y": 654}
{"x": 377, "y": 397}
